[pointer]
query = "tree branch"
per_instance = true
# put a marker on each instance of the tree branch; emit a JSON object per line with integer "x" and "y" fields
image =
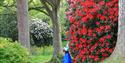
{"x": 30, "y": 1}
{"x": 46, "y": 7}
{"x": 38, "y": 9}
{"x": 50, "y": 2}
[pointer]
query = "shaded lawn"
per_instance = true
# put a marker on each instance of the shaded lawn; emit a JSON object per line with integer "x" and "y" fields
{"x": 42, "y": 55}
{"x": 41, "y": 58}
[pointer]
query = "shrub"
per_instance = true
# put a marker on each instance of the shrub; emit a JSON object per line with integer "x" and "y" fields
{"x": 41, "y": 33}
{"x": 93, "y": 29}
{"x": 12, "y": 52}
{"x": 8, "y": 25}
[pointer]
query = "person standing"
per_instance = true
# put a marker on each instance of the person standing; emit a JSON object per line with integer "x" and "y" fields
{"x": 66, "y": 58}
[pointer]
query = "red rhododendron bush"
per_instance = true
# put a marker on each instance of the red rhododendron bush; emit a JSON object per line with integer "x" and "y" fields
{"x": 93, "y": 29}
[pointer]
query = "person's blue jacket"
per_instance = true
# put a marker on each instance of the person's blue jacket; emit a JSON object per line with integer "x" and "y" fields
{"x": 67, "y": 58}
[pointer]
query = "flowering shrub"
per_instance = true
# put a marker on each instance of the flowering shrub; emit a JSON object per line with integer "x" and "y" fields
{"x": 93, "y": 29}
{"x": 41, "y": 33}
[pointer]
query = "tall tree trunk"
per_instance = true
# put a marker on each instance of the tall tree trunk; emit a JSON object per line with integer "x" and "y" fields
{"x": 23, "y": 24}
{"x": 119, "y": 51}
{"x": 56, "y": 35}
{"x": 52, "y": 7}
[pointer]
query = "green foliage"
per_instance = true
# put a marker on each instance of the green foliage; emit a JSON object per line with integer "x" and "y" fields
{"x": 34, "y": 11}
{"x": 8, "y": 22}
{"x": 1, "y": 2}
{"x": 12, "y": 52}
{"x": 8, "y": 26}
{"x": 64, "y": 23}
{"x": 8, "y": 19}
{"x": 39, "y": 15}
{"x": 106, "y": 0}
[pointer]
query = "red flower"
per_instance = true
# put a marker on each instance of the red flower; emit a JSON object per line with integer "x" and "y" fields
{"x": 97, "y": 23}
{"x": 90, "y": 16}
{"x": 83, "y": 40}
{"x": 79, "y": 32}
{"x": 109, "y": 36}
{"x": 102, "y": 59}
{"x": 94, "y": 35}
{"x": 73, "y": 5}
{"x": 103, "y": 18}
{"x": 98, "y": 30}
{"x": 88, "y": 3}
{"x": 102, "y": 50}
{"x": 101, "y": 3}
{"x": 89, "y": 34}
{"x": 107, "y": 44}
{"x": 71, "y": 19}
{"x": 82, "y": 52}
{"x": 110, "y": 50}
{"x": 105, "y": 55}
{"x": 79, "y": 12}
{"x": 107, "y": 27}
{"x": 83, "y": 58}
{"x": 102, "y": 39}
{"x": 84, "y": 31}
{"x": 84, "y": 45}
{"x": 102, "y": 27}
{"x": 89, "y": 30}
{"x": 105, "y": 12}
{"x": 85, "y": 19}
{"x": 96, "y": 58}
{"x": 91, "y": 56}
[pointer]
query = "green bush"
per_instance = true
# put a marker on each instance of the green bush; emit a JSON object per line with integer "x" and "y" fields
{"x": 12, "y": 52}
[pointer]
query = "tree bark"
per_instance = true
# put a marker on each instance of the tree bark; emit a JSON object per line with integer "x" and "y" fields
{"x": 56, "y": 34}
{"x": 52, "y": 7}
{"x": 119, "y": 51}
{"x": 23, "y": 24}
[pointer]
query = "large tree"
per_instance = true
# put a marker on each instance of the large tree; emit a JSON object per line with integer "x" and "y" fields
{"x": 50, "y": 8}
{"x": 119, "y": 51}
{"x": 23, "y": 24}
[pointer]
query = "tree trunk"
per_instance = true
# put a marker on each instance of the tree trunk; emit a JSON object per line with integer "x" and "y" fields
{"x": 23, "y": 24}
{"x": 56, "y": 36}
{"x": 119, "y": 51}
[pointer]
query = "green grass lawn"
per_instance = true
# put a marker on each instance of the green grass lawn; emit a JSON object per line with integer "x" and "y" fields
{"x": 41, "y": 58}
{"x": 42, "y": 55}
